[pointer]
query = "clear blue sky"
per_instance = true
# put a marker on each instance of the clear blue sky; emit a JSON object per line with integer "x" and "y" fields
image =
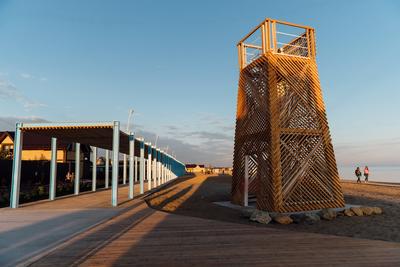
{"x": 175, "y": 63}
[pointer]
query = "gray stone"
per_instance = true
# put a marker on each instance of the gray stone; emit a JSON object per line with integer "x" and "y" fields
{"x": 298, "y": 218}
{"x": 327, "y": 214}
{"x": 367, "y": 211}
{"x": 311, "y": 218}
{"x": 260, "y": 217}
{"x": 357, "y": 211}
{"x": 348, "y": 213}
{"x": 377, "y": 210}
{"x": 340, "y": 213}
{"x": 246, "y": 212}
{"x": 282, "y": 219}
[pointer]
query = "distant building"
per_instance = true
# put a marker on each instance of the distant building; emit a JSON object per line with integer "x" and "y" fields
{"x": 221, "y": 170}
{"x": 195, "y": 168}
{"x": 37, "y": 147}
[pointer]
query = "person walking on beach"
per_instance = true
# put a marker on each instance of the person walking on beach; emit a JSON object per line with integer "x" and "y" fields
{"x": 358, "y": 174}
{"x": 366, "y": 173}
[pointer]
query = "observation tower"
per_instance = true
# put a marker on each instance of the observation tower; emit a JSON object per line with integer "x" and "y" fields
{"x": 283, "y": 156}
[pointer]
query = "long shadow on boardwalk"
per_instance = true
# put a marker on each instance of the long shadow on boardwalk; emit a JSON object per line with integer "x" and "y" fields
{"x": 132, "y": 214}
{"x": 44, "y": 225}
{"x": 181, "y": 240}
{"x": 26, "y": 241}
{"x": 217, "y": 188}
{"x": 144, "y": 236}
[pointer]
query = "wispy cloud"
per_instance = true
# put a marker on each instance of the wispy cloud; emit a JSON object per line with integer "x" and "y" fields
{"x": 25, "y": 75}
{"x": 8, "y": 123}
{"x": 11, "y": 92}
{"x": 205, "y": 153}
{"x": 206, "y": 135}
{"x": 207, "y": 138}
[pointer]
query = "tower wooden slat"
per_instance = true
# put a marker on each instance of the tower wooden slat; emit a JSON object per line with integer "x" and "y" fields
{"x": 281, "y": 125}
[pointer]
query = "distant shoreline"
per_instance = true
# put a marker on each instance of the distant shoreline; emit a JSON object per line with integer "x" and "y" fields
{"x": 371, "y": 182}
{"x": 382, "y": 174}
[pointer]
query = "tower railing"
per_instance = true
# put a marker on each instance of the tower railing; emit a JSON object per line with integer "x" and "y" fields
{"x": 274, "y": 36}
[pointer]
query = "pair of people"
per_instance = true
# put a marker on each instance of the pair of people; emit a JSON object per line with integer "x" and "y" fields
{"x": 358, "y": 174}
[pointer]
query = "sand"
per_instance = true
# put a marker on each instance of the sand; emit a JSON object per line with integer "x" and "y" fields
{"x": 194, "y": 196}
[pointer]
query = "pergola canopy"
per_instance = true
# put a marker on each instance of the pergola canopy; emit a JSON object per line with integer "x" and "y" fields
{"x": 106, "y": 135}
{"x": 97, "y": 134}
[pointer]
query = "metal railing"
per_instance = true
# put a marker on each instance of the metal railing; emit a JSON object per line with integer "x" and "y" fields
{"x": 279, "y": 37}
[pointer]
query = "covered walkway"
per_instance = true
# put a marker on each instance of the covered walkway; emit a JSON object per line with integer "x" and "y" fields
{"x": 146, "y": 162}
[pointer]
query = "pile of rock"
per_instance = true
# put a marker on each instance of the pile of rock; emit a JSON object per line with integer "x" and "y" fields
{"x": 265, "y": 217}
{"x": 362, "y": 211}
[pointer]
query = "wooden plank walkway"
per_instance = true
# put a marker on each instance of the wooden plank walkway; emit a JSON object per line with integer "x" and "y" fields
{"x": 140, "y": 236}
{"x": 36, "y": 227}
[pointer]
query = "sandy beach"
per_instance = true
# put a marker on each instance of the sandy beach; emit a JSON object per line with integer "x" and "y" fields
{"x": 194, "y": 196}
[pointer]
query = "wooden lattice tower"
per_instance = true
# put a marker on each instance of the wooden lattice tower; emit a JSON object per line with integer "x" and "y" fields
{"x": 282, "y": 139}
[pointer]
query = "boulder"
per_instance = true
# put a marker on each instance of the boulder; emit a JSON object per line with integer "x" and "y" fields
{"x": 357, "y": 211}
{"x": 376, "y": 210}
{"x": 282, "y": 219}
{"x": 298, "y": 218}
{"x": 340, "y": 213}
{"x": 311, "y": 218}
{"x": 260, "y": 217}
{"x": 367, "y": 211}
{"x": 327, "y": 214}
{"x": 348, "y": 213}
{"x": 246, "y": 212}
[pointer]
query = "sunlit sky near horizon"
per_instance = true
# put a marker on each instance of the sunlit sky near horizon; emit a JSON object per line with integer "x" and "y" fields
{"x": 175, "y": 64}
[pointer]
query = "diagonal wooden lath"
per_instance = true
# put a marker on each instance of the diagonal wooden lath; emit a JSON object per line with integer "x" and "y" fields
{"x": 281, "y": 118}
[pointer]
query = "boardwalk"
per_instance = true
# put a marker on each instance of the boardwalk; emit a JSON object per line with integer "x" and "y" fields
{"x": 34, "y": 228}
{"x": 137, "y": 235}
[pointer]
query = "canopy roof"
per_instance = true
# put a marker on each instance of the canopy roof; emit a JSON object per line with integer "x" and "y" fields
{"x": 98, "y": 134}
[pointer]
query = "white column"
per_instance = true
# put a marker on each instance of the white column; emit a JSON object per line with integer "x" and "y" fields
{"x": 16, "y": 167}
{"x": 94, "y": 168}
{"x": 153, "y": 171}
{"x": 169, "y": 172}
{"x": 149, "y": 166}
{"x": 170, "y": 169}
{"x": 114, "y": 182}
{"x": 131, "y": 156}
{"x": 167, "y": 169}
{"x": 77, "y": 167}
{"x": 246, "y": 181}
{"x": 158, "y": 168}
{"x": 53, "y": 169}
{"x": 141, "y": 169}
{"x": 124, "y": 170}
{"x": 163, "y": 169}
{"x": 107, "y": 169}
{"x": 136, "y": 169}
